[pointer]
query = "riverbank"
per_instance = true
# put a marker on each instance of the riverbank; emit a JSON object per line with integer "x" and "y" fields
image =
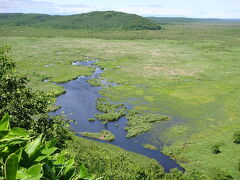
{"x": 82, "y": 102}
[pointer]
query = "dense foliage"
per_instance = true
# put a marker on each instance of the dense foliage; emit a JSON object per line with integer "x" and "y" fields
{"x": 22, "y": 157}
{"x": 111, "y": 163}
{"x": 95, "y": 20}
{"x": 180, "y": 20}
{"x": 28, "y": 108}
{"x": 16, "y": 98}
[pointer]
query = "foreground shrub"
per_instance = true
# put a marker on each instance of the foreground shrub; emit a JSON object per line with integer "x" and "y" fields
{"x": 53, "y": 127}
{"x": 28, "y": 108}
{"x": 16, "y": 98}
{"x": 22, "y": 157}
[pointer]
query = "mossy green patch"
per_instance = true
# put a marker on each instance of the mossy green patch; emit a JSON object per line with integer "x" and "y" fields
{"x": 111, "y": 112}
{"x": 103, "y": 105}
{"x": 150, "y": 146}
{"x": 139, "y": 122}
{"x": 109, "y": 116}
{"x": 178, "y": 130}
{"x": 94, "y": 82}
{"x": 103, "y": 135}
{"x": 91, "y": 119}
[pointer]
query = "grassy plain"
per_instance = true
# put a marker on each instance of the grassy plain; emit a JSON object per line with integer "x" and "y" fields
{"x": 189, "y": 72}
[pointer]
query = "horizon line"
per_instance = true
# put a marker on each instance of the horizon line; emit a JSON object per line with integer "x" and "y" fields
{"x": 147, "y": 15}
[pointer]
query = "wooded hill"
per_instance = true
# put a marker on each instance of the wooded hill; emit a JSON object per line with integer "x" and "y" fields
{"x": 97, "y": 20}
{"x": 182, "y": 20}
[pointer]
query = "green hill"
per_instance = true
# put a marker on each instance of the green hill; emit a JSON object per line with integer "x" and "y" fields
{"x": 97, "y": 20}
{"x": 182, "y": 20}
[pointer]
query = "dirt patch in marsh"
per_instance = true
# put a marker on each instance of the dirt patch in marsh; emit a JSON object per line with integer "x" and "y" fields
{"x": 157, "y": 70}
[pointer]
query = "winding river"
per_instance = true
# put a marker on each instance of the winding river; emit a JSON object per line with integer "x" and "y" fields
{"x": 78, "y": 103}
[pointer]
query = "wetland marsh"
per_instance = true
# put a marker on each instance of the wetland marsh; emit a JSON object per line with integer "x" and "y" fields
{"x": 188, "y": 72}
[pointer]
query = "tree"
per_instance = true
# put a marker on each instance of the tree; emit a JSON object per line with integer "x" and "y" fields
{"x": 20, "y": 101}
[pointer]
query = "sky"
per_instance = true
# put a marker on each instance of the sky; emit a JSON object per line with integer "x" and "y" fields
{"x": 228, "y": 9}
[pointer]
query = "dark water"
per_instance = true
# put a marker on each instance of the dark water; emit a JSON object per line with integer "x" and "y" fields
{"x": 78, "y": 103}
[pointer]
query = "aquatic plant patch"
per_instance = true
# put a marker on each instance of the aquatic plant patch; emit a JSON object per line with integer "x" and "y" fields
{"x": 111, "y": 112}
{"x": 139, "y": 122}
{"x": 150, "y": 146}
{"x": 109, "y": 117}
{"x": 104, "y": 106}
{"x": 94, "y": 82}
{"x": 103, "y": 135}
{"x": 91, "y": 119}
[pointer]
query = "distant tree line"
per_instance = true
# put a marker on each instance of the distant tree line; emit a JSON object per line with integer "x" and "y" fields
{"x": 108, "y": 20}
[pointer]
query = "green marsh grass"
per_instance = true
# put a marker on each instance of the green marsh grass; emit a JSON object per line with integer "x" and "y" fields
{"x": 188, "y": 71}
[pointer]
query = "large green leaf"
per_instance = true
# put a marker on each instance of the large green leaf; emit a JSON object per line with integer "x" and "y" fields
{"x": 70, "y": 174}
{"x": 48, "y": 152}
{"x": 69, "y": 165}
{"x": 9, "y": 140}
{"x": 61, "y": 159}
{"x": 18, "y": 132}
{"x": 19, "y": 154}
{"x": 51, "y": 143}
{"x": 40, "y": 158}
{"x": 11, "y": 166}
{"x": 33, "y": 173}
{"x": 83, "y": 172}
{"x": 4, "y": 123}
{"x": 21, "y": 173}
{"x": 32, "y": 148}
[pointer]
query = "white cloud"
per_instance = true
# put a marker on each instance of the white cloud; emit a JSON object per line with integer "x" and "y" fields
{"x": 146, "y": 8}
{"x": 163, "y": 11}
{"x": 29, "y": 6}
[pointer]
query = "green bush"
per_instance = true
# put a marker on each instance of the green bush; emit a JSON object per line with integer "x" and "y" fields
{"x": 216, "y": 149}
{"x": 238, "y": 164}
{"x": 28, "y": 108}
{"x": 218, "y": 174}
{"x": 236, "y": 137}
{"x": 22, "y": 157}
{"x": 53, "y": 127}
{"x": 21, "y": 102}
